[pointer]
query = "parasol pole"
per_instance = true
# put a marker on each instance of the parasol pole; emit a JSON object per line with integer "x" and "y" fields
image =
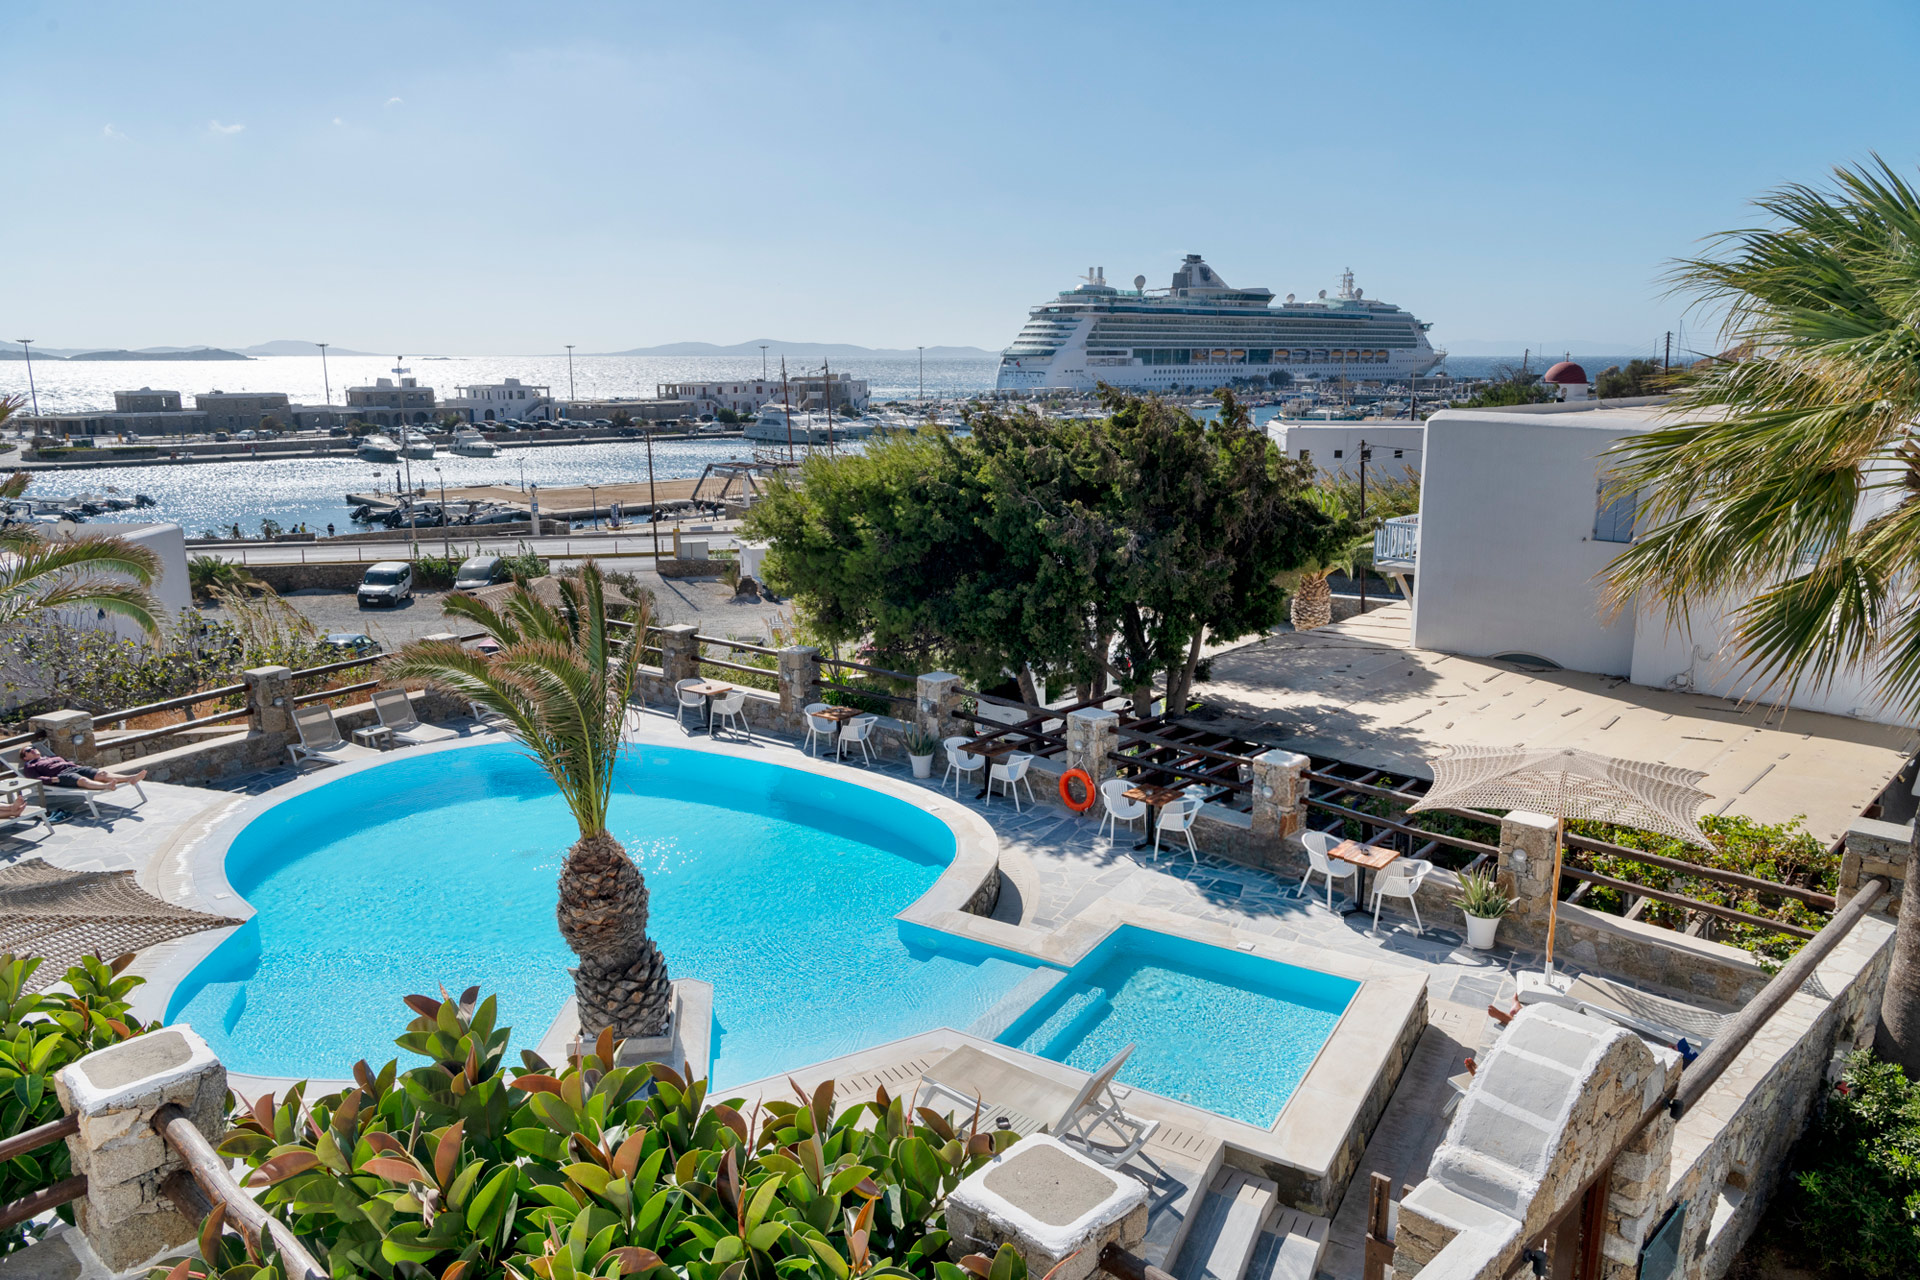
{"x": 1553, "y": 891}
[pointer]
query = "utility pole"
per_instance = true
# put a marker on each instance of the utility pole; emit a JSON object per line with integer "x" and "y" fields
{"x": 1365, "y": 453}
{"x": 763, "y": 362}
{"x": 26, "y": 345}
{"x": 326, "y": 387}
{"x": 446, "y": 539}
{"x": 826, "y": 375}
{"x": 923, "y": 371}
{"x": 653, "y": 504}
{"x": 570, "y": 409}
{"x": 787, "y": 400}
{"x": 1667, "y": 367}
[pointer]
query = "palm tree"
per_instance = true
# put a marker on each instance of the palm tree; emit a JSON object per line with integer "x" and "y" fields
{"x": 38, "y": 573}
{"x": 1312, "y": 602}
{"x": 1791, "y": 480}
{"x": 562, "y": 684}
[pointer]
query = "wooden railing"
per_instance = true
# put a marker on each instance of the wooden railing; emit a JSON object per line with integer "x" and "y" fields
{"x": 30, "y": 1140}
{"x": 209, "y": 1173}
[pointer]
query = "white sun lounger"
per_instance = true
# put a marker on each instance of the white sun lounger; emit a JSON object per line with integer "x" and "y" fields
{"x": 395, "y": 710}
{"x": 320, "y": 738}
{"x": 1091, "y": 1120}
{"x": 52, "y": 797}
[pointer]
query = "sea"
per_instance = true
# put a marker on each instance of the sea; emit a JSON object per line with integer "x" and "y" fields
{"x": 291, "y": 492}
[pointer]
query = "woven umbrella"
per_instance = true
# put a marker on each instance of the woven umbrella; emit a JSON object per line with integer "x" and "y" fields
{"x": 1566, "y": 782}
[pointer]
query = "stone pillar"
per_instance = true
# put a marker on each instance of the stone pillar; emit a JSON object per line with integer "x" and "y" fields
{"x": 1526, "y": 871}
{"x": 935, "y": 694}
{"x": 116, "y": 1091}
{"x": 269, "y": 699}
{"x": 679, "y": 653}
{"x": 66, "y": 733}
{"x": 1057, "y": 1209}
{"x": 799, "y": 683}
{"x": 1636, "y": 1185}
{"x": 1279, "y": 802}
{"x": 1092, "y": 733}
{"x": 1876, "y": 848}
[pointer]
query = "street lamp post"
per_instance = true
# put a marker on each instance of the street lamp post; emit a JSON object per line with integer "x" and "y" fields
{"x": 446, "y": 539}
{"x": 326, "y": 387}
{"x": 923, "y": 371}
{"x": 570, "y": 409}
{"x": 763, "y": 362}
{"x": 593, "y": 504}
{"x": 1365, "y": 453}
{"x": 26, "y": 345}
{"x": 413, "y": 516}
{"x": 653, "y": 503}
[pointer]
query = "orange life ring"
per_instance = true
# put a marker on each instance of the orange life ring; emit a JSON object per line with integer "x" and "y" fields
{"x": 1067, "y": 780}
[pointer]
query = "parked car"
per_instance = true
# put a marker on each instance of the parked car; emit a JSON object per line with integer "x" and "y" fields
{"x": 247, "y": 435}
{"x": 387, "y": 582}
{"x": 360, "y": 644}
{"x": 219, "y": 437}
{"x": 480, "y": 571}
{"x": 336, "y": 431}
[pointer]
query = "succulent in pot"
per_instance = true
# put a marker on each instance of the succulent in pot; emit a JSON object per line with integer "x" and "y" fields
{"x": 920, "y": 745}
{"x": 1483, "y": 904}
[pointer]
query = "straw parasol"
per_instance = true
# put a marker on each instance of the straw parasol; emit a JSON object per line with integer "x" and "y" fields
{"x": 61, "y": 914}
{"x": 1566, "y": 782}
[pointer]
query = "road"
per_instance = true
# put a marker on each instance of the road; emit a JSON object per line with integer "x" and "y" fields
{"x": 465, "y": 540}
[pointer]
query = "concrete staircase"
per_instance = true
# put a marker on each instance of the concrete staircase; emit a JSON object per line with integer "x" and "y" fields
{"x": 1241, "y": 1232}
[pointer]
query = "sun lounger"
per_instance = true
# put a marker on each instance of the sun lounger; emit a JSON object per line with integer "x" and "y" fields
{"x": 1655, "y": 1017}
{"x": 30, "y": 817}
{"x": 395, "y": 710}
{"x": 1090, "y": 1119}
{"x": 52, "y": 797}
{"x": 320, "y": 738}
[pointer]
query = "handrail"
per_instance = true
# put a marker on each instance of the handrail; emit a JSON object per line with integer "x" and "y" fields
{"x": 861, "y": 666}
{"x": 1458, "y": 842}
{"x": 210, "y": 1173}
{"x": 20, "y": 738}
{"x": 327, "y": 669}
{"x": 166, "y": 730}
{"x": 319, "y": 694}
{"x": 1691, "y": 904}
{"x": 732, "y": 666}
{"x": 858, "y": 692}
{"x": 1812, "y": 897}
{"x": 1718, "y": 1056}
{"x": 29, "y": 1207}
{"x": 39, "y": 1136}
{"x": 171, "y": 704}
{"x": 738, "y": 645}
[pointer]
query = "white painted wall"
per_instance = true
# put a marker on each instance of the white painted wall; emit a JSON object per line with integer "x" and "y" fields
{"x": 172, "y": 590}
{"x": 1322, "y": 440}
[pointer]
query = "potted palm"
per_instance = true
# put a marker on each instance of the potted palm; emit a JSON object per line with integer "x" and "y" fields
{"x": 562, "y": 680}
{"x": 920, "y": 745}
{"x": 1483, "y": 903}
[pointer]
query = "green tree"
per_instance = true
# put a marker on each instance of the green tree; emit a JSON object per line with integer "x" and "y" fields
{"x": 563, "y": 684}
{"x": 1639, "y": 378}
{"x": 1791, "y": 479}
{"x": 1515, "y": 389}
{"x": 1344, "y": 551}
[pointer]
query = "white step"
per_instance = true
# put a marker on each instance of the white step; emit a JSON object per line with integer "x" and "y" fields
{"x": 1291, "y": 1246}
{"x": 1173, "y": 1199}
{"x": 1227, "y": 1228}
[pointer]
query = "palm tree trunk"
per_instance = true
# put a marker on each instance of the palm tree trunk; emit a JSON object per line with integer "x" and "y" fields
{"x": 622, "y": 980}
{"x": 1312, "y": 604}
{"x": 1898, "y": 1039}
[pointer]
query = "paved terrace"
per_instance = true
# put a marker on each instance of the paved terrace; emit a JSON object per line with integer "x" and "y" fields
{"x": 1358, "y": 691}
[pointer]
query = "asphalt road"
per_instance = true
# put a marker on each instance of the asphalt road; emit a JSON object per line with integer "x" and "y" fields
{"x": 571, "y": 547}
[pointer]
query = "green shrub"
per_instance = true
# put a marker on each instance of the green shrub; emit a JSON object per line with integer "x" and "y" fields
{"x": 1854, "y": 1204}
{"x": 466, "y": 1167}
{"x": 41, "y": 1032}
{"x": 524, "y": 564}
{"x": 436, "y": 571}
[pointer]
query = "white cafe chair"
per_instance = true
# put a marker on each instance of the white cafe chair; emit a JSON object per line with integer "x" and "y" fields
{"x": 1011, "y": 770}
{"x": 729, "y": 709}
{"x": 960, "y": 762}
{"x": 1319, "y": 844}
{"x": 1401, "y": 879}
{"x": 819, "y": 726}
{"x": 1178, "y": 815}
{"x": 1118, "y": 808}
{"x": 857, "y": 731}
{"x": 688, "y": 699}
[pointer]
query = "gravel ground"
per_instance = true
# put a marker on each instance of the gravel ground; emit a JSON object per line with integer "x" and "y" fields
{"x": 707, "y": 604}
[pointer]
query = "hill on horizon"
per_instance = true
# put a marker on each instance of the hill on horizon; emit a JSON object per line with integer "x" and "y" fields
{"x": 805, "y": 351}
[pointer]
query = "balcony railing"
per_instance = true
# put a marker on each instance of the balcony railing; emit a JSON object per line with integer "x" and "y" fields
{"x": 1397, "y": 542}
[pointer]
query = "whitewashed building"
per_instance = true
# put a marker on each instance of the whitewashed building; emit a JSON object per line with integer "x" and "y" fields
{"x": 1512, "y": 543}
{"x": 1334, "y": 447}
{"x": 508, "y": 401}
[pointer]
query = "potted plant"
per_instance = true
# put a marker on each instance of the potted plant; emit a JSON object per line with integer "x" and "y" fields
{"x": 1484, "y": 904}
{"x": 920, "y": 745}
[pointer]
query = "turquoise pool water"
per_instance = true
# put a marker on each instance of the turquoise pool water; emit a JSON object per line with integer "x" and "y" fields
{"x": 1224, "y": 1030}
{"x": 777, "y": 886}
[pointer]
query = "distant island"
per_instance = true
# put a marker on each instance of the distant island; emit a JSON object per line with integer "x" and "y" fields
{"x": 806, "y": 351}
{"x": 202, "y": 353}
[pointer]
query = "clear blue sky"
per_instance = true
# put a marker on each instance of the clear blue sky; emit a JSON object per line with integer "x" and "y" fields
{"x": 505, "y": 178}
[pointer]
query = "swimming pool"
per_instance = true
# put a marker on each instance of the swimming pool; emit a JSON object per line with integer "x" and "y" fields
{"x": 778, "y": 886}
{"x": 1224, "y": 1030}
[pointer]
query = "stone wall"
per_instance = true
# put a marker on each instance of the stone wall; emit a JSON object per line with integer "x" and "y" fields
{"x": 1876, "y": 848}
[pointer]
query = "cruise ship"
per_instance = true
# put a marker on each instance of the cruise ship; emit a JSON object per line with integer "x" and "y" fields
{"x": 1202, "y": 333}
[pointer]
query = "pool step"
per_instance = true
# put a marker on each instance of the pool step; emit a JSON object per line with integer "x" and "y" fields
{"x": 1227, "y": 1227}
{"x": 1172, "y": 1196}
{"x": 1290, "y": 1248}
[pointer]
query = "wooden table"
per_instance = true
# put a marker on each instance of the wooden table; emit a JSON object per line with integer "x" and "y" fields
{"x": 840, "y": 716}
{"x": 710, "y": 689}
{"x": 1367, "y": 857}
{"x": 1154, "y": 798}
{"x": 374, "y": 735}
{"x": 992, "y": 749}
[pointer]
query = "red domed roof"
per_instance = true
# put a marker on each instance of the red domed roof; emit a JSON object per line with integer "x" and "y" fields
{"x": 1567, "y": 371}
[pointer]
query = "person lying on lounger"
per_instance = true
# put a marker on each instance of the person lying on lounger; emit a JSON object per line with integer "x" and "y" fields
{"x": 58, "y": 771}
{"x": 13, "y": 808}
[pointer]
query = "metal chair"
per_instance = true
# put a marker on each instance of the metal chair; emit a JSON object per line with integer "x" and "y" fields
{"x": 819, "y": 726}
{"x": 1319, "y": 844}
{"x": 1178, "y": 815}
{"x": 857, "y": 731}
{"x": 1011, "y": 770}
{"x": 687, "y": 699}
{"x": 1118, "y": 808}
{"x": 960, "y": 762}
{"x": 1401, "y": 879}
{"x": 729, "y": 709}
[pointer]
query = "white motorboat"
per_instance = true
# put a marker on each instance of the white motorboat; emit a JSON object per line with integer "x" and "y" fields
{"x": 379, "y": 448}
{"x": 415, "y": 445}
{"x": 471, "y": 444}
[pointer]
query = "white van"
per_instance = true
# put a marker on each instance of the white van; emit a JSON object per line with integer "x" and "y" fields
{"x": 388, "y": 582}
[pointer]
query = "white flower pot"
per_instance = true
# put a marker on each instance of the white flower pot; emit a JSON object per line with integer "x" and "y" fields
{"x": 922, "y": 766}
{"x": 1480, "y": 931}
